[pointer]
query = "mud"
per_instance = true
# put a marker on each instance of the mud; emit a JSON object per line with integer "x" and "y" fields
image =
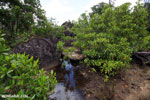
{"x": 133, "y": 84}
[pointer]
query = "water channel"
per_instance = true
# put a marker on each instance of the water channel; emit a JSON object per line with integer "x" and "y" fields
{"x": 69, "y": 84}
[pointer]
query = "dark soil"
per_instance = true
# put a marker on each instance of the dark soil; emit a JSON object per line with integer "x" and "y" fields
{"x": 142, "y": 58}
{"x": 133, "y": 84}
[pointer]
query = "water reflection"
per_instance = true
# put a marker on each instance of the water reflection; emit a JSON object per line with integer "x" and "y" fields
{"x": 62, "y": 93}
{"x": 66, "y": 89}
{"x": 69, "y": 76}
{"x": 68, "y": 66}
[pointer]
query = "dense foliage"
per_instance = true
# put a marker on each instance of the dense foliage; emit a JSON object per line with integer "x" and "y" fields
{"x": 98, "y": 8}
{"x": 20, "y": 75}
{"x": 21, "y": 19}
{"x": 147, "y": 6}
{"x": 109, "y": 38}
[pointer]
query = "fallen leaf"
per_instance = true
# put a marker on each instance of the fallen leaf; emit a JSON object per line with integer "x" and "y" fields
{"x": 126, "y": 86}
{"x": 89, "y": 95}
{"x": 116, "y": 95}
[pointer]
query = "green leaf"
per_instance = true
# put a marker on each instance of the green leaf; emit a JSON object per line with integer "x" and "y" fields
{"x": 10, "y": 71}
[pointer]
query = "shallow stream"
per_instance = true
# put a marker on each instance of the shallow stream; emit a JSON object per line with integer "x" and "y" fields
{"x": 69, "y": 84}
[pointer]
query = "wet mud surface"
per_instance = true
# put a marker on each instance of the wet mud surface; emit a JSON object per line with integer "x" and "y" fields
{"x": 80, "y": 83}
{"x": 133, "y": 84}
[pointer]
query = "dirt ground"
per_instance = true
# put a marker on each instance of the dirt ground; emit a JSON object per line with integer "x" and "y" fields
{"x": 133, "y": 84}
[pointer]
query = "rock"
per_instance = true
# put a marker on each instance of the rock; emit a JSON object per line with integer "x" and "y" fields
{"x": 42, "y": 48}
{"x": 68, "y": 25}
{"x": 67, "y": 32}
{"x": 141, "y": 58}
{"x": 75, "y": 55}
{"x": 51, "y": 66}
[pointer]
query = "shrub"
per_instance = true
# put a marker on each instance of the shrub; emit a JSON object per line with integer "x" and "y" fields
{"x": 60, "y": 45}
{"x": 146, "y": 43}
{"x": 109, "y": 57}
{"x": 109, "y": 39}
{"x": 20, "y": 75}
{"x": 3, "y": 48}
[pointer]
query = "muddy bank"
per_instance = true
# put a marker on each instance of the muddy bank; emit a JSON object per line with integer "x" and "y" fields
{"x": 42, "y": 48}
{"x": 133, "y": 84}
